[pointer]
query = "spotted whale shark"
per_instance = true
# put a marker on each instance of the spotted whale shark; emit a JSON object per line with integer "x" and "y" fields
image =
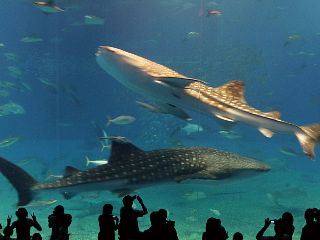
{"x": 130, "y": 168}
{"x": 175, "y": 93}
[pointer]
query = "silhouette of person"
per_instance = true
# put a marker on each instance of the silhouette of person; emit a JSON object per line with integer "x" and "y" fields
{"x": 59, "y": 222}
{"x": 36, "y": 236}
{"x": 214, "y": 230}
{"x": 7, "y": 231}
{"x": 309, "y": 231}
{"x": 108, "y": 223}
{"x": 24, "y": 224}
{"x": 283, "y": 228}
{"x": 168, "y": 225}
{"x": 154, "y": 232}
{"x": 128, "y": 227}
{"x": 237, "y": 236}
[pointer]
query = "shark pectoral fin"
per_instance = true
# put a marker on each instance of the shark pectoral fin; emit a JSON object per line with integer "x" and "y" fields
{"x": 309, "y": 138}
{"x": 266, "y": 132}
{"x": 121, "y": 192}
{"x": 176, "y": 82}
{"x": 174, "y": 110}
{"x": 225, "y": 118}
{"x": 69, "y": 171}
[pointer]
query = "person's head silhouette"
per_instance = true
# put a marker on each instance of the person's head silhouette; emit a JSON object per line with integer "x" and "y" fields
{"x": 36, "y": 236}
{"x": 107, "y": 209}
{"x": 237, "y": 236}
{"x": 58, "y": 210}
{"x": 128, "y": 200}
{"x": 21, "y": 213}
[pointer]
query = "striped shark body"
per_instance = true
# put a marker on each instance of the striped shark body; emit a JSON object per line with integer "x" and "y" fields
{"x": 131, "y": 168}
{"x": 175, "y": 92}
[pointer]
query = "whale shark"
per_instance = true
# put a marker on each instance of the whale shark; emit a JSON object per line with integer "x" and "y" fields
{"x": 176, "y": 93}
{"x": 130, "y": 168}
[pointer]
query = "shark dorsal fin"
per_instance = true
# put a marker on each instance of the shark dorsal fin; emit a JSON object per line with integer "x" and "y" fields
{"x": 69, "y": 171}
{"x": 177, "y": 82}
{"x": 233, "y": 89}
{"x": 275, "y": 114}
{"x": 120, "y": 150}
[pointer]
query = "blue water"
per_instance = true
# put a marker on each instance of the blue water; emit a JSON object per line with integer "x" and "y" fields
{"x": 248, "y": 41}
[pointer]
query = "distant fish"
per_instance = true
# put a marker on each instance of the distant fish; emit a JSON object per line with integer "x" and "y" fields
{"x": 2, "y": 45}
{"x": 192, "y": 35}
{"x": 215, "y": 212}
{"x": 293, "y": 38}
{"x": 48, "y": 7}
{"x": 191, "y": 128}
{"x": 121, "y": 120}
{"x": 8, "y": 142}
{"x": 93, "y": 20}
{"x": 230, "y": 134}
{"x": 31, "y": 39}
{"x": 96, "y": 162}
{"x": 289, "y": 152}
{"x": 214, "y": 13}
{"x": 11, "y": 56}
{"x": 150, "y": 107}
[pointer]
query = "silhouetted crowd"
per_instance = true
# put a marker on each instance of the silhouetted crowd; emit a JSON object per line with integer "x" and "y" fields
{"x": 161, "y": 228}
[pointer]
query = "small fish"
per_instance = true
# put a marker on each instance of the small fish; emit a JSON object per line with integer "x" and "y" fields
{"x": 289, "y": 152}
{"x": 2, "y": 45}
{"x": 11, "y": 56}
{"x": 150, "y": 107}
{"x": 230, "y": 134}
{"x": 96, "y": 162}
{"x": 118, "y": 139}
{"x": 8, "y": 142}
{"x": 121, "y": 120}
{"x": 31, "y": 39}
{"x": 93, "y": 20}
{"x": 215, "y": 212}
{"x": 214, "y": 13}
{"x": 191, "y": 128}
{"x": 48, "y": 7}
{"x": 293, "y": 38}
{"x": 192, "y": 35}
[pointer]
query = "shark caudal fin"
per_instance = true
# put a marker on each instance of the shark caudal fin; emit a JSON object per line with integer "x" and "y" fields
{"x": 309, "y": 138}
{"x": 20, "y": 179}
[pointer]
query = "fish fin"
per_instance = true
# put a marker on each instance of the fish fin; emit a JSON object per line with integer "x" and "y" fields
{"x": 174, "y": 110}
{"x": 109, "y": 121}
{"x": 275, "y": 114}
{"x": 177, "y": 82}
{"x": 266, "y": 132}
{"x": 309, "y": 139}
{"x": 232, "y": 90}
{"x": 20, "y": 179}
{"x": 121, "y": 150}
{"x": 87, "y": 161}
{"x": 69, "y": 171}
{"x": 121, "y": 192}
{"x": 224, "y": 117}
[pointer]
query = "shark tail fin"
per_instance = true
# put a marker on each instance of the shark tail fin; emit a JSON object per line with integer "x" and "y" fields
{"x": 108, "y": 121}
{"x": 309, "y": 138}
{"x": 20, "y": 179}
{"x": 88, "y": 161}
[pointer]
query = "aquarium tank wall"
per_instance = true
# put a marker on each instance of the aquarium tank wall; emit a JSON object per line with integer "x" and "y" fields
{"x": 203, "y": 108}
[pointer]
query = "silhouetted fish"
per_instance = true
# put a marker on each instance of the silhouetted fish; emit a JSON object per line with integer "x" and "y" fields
{"x": 130, "y": 168}
{"x": 176, "y": 92}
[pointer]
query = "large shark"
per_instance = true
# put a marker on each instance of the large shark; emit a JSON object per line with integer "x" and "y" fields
{"x": 130, "y": 168}
{"x": 175, "y": 92}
